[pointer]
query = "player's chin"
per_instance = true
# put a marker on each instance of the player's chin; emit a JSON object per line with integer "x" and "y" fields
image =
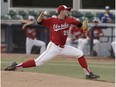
{"x": 66, "y": 15}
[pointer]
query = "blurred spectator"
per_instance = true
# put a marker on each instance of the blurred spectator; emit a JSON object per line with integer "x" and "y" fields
{"x": 75, "y": 35}
{"x": 99, "y": 49}
{"x": 31, "y": 34}
{"x": 106, "y": 17}
{"x": 97, "y": 34}
{"x": 98, "y": 46}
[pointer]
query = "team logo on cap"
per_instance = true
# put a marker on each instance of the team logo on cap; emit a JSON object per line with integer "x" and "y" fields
{"x": 65, "y": 6}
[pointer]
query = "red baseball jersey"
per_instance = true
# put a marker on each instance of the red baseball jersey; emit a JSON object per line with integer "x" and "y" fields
{"x": 59, "y": 29}
{"x": 77, "y": 32}
{"x": 31, "y": 32}
{"x": 97, "y": 32}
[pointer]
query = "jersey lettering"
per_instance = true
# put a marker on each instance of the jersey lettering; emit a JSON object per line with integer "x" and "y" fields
{"x": 57, "y": 27}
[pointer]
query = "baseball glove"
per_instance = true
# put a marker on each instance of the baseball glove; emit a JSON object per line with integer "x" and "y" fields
{"x": 85, "y": 25}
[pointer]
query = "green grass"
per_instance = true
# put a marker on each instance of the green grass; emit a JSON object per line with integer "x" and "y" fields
{"x": 69, "y": 68}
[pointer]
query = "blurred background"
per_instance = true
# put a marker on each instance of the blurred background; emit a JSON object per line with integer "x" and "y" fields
{"x": 12, "y": 11}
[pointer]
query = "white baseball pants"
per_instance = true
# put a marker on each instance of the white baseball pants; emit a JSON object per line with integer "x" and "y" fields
{"x": 34, "y": 42}
{"x": 54, "y": 50}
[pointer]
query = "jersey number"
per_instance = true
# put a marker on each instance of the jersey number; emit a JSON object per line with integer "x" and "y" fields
{"x": 66, "y": 32}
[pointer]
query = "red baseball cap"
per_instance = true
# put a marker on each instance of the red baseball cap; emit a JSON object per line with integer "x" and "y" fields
{"x": 63, "y": 7}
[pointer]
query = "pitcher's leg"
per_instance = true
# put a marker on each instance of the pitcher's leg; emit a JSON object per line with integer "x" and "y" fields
{"x": 69, "y": 50}
{"x": 47, "y": 55}
{"x": 50, "y": 53}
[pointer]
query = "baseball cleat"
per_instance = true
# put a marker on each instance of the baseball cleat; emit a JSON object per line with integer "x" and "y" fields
{"x": 92, "y": 76}
{"x": 11, "y": 67}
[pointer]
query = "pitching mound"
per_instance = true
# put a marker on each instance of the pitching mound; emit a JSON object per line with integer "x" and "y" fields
{"x": 31, "y": 79}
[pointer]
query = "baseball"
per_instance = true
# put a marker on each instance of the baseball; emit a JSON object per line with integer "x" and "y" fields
{"x": 45, "y": 12}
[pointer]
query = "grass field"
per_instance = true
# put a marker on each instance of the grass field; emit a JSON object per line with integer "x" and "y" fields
{"x": 70, "y": 68}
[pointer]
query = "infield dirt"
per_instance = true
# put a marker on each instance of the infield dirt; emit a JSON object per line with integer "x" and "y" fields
{"x": 32, "y": 79}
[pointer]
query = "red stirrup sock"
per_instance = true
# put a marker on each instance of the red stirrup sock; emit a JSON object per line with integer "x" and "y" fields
{"x": 27, "y": 64}
{"x": 83, "y": 64}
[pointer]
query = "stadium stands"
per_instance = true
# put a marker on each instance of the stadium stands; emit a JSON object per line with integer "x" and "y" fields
{"x": 33, "y": 13}
{"x": 90, "y": 16}
{"x": 51, "y": 13}
{"x": 12, "y": 12}
{"x": 17, "y": 17}
{"x": 76, "y": 14}
{"x": 23, "y": 14}
{"x": 6, "y": 17}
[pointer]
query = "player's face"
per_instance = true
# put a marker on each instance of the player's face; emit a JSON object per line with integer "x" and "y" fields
{"x": 66, "y": 12}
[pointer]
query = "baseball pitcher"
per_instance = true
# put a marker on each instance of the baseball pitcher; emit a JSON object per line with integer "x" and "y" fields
{"x": 59, "y": 28}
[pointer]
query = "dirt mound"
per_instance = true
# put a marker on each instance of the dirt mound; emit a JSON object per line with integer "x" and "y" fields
{"x": 31, "y": 79}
